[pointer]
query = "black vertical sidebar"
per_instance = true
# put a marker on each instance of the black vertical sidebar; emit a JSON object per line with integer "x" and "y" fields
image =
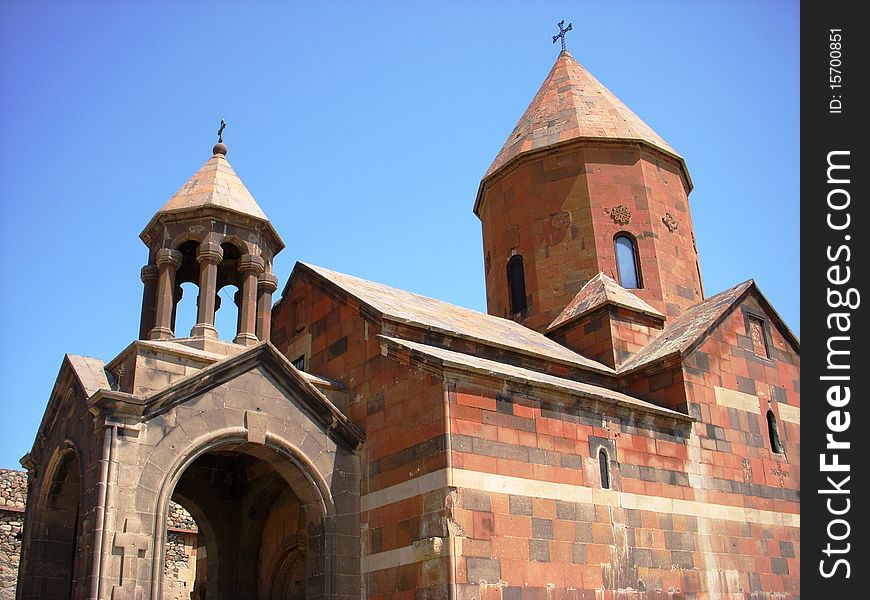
{"x": 835, "y": 254}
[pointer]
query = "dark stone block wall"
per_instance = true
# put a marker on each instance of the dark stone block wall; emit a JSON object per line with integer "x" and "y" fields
{"x": 13, "y": 496}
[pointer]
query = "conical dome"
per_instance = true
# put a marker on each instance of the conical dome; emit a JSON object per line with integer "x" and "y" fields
{"x": 572, "y": 104}
{"x": 215, "y": 184}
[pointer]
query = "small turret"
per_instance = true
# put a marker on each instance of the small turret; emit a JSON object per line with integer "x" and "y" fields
{"x": 211, "y": 233}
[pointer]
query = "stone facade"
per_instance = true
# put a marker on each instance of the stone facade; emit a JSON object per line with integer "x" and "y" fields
{"x": 180, "y": 553}
{"x": 614, "y": 438}
{"x": 497, "y": 479}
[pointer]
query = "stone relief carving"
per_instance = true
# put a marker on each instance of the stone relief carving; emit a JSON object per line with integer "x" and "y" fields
{"x": 561, "y": 219}
{"x": 620, "y": 214}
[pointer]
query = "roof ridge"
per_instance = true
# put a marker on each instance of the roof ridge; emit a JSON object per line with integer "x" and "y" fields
{"x": 677, "y": 337}
{"x": 439, "y": 316}
{"x": 490, "y": 367}
{"x": 613, "y": 293}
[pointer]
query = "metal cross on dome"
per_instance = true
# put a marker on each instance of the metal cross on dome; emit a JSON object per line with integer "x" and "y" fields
{"x": 223, "y": 126}
{"x": 562, "y": 32}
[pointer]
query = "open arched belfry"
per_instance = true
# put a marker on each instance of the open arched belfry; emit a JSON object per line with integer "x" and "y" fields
{"x": 606, "y": 431}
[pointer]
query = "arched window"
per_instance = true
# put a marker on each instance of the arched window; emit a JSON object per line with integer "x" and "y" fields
{"x": 517, "y": 283}
{"x": 627, "y": 262}
{"x": 604, "y": 469}
{"x": 773, "y": 433}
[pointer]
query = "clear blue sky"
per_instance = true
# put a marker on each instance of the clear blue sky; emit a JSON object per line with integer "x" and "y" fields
{"x": 362, "y": 129}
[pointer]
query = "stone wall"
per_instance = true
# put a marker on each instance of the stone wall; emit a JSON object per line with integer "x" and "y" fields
{"x": 180, "y": 519}
{"x": 13, "y": 492}
{"x": 180, "y": 547}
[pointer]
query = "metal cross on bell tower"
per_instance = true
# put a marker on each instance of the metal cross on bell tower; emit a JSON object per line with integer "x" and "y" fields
{"x": 562, "y": 32}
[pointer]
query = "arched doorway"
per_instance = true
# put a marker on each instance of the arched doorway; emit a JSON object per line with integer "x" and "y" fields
{"x": 54, "y": 531}
{"x": 288, "y": 578}
{"x": 259, "y": 521}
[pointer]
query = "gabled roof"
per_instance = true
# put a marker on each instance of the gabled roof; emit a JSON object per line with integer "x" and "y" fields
{"x": 265, "y": 354}
{"x": 215, "y": 184}
{"x": 404, "y": 307}
{"x": 597, "y": 292}
{"x": 448, "y": 359}
{"x": 90, "y": 373}
{"x": 687, "y": 331}
{"x": 572, "y": 104}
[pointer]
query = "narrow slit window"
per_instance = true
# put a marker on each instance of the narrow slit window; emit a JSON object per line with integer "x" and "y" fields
{"x": 299, "y": 363}
{"x": 773, "y": 433}
{"x": 759, "y": 338}
{"x": 627, "y": 262}
{"x": 604, "y": 469}
{"x": 517, "y": 284}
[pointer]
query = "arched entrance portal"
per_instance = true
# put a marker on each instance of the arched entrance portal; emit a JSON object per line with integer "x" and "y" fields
{"x": 260, "y": 523}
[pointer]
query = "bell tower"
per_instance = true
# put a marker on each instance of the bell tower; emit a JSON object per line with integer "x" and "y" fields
{"x": 211, "y": 233}
{"x": 582, "y": 186}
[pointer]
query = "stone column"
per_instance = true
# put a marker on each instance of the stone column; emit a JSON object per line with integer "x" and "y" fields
{"x": 209, "y": 255}
{"x": 168, "y": 262}
{"x": 237, "y": 301}
{"x": 266, "y": 285}
{"x": 250, "y": 266}
{"x": 149, "y": 276}
{"x": 177, "y": 295}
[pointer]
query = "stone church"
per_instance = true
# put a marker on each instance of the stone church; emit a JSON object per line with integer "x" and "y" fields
{"x": 606, "y": 430}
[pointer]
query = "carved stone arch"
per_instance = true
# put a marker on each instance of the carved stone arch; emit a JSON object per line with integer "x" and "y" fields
{"x": 288, "y": 460}
{"x": 287, "y": 581}
{"x": 188, "y": 236}
{"x": 243, "y": 246}
{"x": 69, "y": 447}
{"x": 54, "y": 529}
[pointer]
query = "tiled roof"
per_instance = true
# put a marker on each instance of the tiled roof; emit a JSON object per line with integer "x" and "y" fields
{"x": 572, "y": 104}
{"x": 598, "y": 291}
{"x": 413, "y": 309}
{"x": 215, "y": 184}
{"x": 449, "y": 358}
{"x": 689, "y": 327}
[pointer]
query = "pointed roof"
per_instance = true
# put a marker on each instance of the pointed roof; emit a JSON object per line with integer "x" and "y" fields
{"x": 597, "y": 292}
{"x": 572, "y": 104}
{"x": 215, "y": 184}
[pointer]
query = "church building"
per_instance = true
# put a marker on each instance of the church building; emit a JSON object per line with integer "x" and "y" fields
{"x": 606, "y": 431}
